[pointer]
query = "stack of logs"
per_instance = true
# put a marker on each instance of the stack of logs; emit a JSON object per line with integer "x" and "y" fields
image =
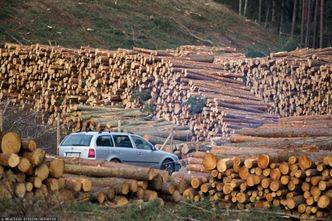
{"x": 293, "y": 83}
{"x": 228, "y": 107}
{"x": 117, "y": 183}
{"x": 287, "y": 164}
{"x": 290, "y": 135}
{"x": 24, "y": 171}
{"x": 297, "y": 184}
{"x": 55, "y": 79}
{"x": 86, "y": 118}
{"x": 27, "y": 172}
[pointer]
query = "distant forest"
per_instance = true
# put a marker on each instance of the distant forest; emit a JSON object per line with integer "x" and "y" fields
{"x": 309, "y": 22}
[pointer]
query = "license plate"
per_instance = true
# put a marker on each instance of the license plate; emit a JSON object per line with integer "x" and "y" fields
{"x": 72, "y": 154}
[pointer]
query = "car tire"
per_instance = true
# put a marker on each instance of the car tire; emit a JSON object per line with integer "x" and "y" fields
{"x": 168, "y": 165}
{"x": 115, "y": 161}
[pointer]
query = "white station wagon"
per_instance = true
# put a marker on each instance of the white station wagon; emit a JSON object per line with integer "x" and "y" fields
{"x": 117, "y": 147}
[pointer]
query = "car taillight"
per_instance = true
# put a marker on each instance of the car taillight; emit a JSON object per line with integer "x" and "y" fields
{"x": 91, "y": 153}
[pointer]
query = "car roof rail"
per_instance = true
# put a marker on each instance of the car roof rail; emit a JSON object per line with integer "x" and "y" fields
{"x": 101, "y": 130}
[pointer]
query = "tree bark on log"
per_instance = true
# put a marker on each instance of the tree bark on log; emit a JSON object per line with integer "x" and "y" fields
{"x": 286, "y": 132}
{"x": 120, "y": 171}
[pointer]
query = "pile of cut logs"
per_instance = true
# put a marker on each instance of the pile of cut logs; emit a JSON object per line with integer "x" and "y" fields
{"x": 27, "y": 172}
{"x": 298, "y": 184}
{"x": 24, "y": 171}
{"x": 228, "y": 107}
{"x": 293, "y": 83}
{"x": 158, "y": 132}
{"x": 127, "y": 120}
{"x": 289, "y": 136}
{"x": 55, "y": 79}
{"x": 117, "y": 183}
{"x": 287, "y": 164}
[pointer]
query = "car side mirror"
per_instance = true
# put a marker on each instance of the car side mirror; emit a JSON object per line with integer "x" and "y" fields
{"x": 153, "y": 148}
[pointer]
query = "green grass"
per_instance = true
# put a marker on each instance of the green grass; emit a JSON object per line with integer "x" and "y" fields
{"x": 135, "y": 210}
{"x": 155, "y": 24}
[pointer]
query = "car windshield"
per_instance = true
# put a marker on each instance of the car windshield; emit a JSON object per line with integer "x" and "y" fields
{"x": 77, "y": 140}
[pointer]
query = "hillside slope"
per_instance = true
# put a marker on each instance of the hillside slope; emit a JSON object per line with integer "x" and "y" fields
{"x": 109, "y": 24}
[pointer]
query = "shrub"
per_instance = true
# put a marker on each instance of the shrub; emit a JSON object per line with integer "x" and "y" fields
{"x": 252, "y": 52}
{"x": 149, "y": 107}
{"x": 195, "y": 104}
{"x": 142, "y": 96}
{"x": 287, "y": 44}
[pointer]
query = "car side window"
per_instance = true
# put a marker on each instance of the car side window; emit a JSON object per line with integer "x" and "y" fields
{"x": 122, "y": 141}
{"x": 105, "y": 141}
{"x": 141, "y": 143}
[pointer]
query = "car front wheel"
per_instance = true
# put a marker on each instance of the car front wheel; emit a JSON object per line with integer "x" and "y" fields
{"x": 168, "y": 165}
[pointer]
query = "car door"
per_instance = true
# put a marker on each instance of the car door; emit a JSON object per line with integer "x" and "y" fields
{"x": 125, "y": 150}
{"x": 145, "y": 152}
{"x": 104, "y": 143}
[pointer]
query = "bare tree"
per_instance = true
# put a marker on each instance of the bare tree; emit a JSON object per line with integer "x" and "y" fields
{"x": 308, "y": 18}
{"x": 240, "y": 7}
{"x": 282, "y": 16}
{"x": 245, "y": 8}
{"x": 321, "y": 30}
{"x": 294, "y": 17}
{"x": 260, "y": 11}
{"x": 314, "y": 40}
{"x": 274, "y": 14}
{"x": 302, "y": 21}
{"x": 267, "y": 15}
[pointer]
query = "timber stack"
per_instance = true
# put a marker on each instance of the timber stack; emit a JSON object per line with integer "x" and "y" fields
{"x": 288, "y": 136}
{"x": 285, "y": 164}
{"x": 294, "y": 83}
{"x": 299, "y": 184}
{"x": 185, "y": 84}
{"x": 95, "y": 118}
{"x": 112, "y": 180}
{"x": 24, "y": 171}
{"x": 182, "y": 85}
{"x": 163, "y": 134}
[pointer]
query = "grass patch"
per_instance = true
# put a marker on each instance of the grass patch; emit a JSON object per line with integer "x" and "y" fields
{"x": 135, "y": 210}
{"x": 127, "y": 23}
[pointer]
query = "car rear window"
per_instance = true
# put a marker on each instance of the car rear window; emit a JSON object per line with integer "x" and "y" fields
{"x": 77, "y": 140}
{"x": 104, "y": 141}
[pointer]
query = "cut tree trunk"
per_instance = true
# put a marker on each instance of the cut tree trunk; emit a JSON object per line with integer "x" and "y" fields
{"x": 9, "y": 159}
{"x": 286, "y": 132}
{"x": 11, "y": 142}
{"x": 120, "y": 171}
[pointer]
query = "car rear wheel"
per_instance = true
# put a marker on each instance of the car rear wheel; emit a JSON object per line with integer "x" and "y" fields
{"x": 115, "y": 161}
{"x": 168, "y": 165}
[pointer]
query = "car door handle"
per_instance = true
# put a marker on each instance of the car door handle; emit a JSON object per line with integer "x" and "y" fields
{"x": 139, "y": 153}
